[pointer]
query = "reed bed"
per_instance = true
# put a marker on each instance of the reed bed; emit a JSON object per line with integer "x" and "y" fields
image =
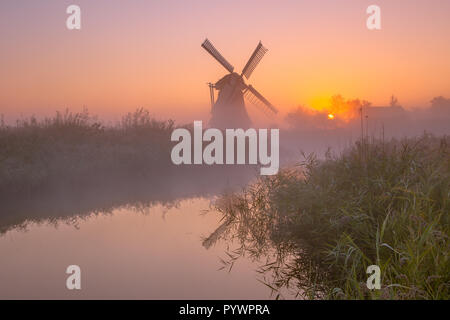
{"x": 76, "y": 148}
{"x": 73, "y": 164}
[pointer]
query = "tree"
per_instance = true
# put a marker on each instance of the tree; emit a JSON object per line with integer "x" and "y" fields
{"x": 393, "y": 102}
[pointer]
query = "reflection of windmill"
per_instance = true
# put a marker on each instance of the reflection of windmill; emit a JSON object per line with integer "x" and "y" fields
{"x": 229, "y": 109}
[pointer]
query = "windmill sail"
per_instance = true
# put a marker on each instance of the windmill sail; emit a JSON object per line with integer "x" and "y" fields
{"x": 257, "y": 99}
{"x": 208, "y": 46}
{"x": 229, "y": 110}
{"x": 255, "y": 58}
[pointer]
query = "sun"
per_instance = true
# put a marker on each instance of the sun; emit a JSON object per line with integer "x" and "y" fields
{"x": 330, "y": 116}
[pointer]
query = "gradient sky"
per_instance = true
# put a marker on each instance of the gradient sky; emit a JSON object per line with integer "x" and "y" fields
{"x": 147, "y": 53}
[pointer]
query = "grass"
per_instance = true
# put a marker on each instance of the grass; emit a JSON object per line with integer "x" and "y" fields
{"x": 323, "y": 223}
{"x": 73, "y": 164}
{"x": 71, "y": 146}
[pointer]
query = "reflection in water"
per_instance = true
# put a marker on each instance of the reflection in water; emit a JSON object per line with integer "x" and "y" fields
{"x": 145, "y": 253}
{"x": 133, "y": 240}
{"x": 104, "y": 193}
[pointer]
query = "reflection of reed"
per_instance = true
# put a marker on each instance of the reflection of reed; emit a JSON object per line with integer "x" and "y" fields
{"x": 208, "y": 242}
{"x": 65, "y": 202}
{"x": 344, "y": 213}
{"x": 71, "y": 165}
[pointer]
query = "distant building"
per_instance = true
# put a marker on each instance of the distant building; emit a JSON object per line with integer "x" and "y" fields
{"x": 385, "y": 113}
{"x": 440, "y": 106}
{"x": 389, "y": 120}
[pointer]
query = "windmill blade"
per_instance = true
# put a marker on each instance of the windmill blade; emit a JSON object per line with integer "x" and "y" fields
{"x": 257, "y": 99}
{"x": 255, "y": 58}
{"x": 208, "y": 46}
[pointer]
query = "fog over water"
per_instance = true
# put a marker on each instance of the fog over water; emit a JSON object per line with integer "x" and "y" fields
{"x": 141, "y": 241}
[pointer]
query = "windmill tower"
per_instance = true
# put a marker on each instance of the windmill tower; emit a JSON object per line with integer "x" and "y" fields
{"x": 229, "y": 110}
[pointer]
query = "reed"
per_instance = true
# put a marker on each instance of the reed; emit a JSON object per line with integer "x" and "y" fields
{"x": 76, "y": 148}
{"x": 322, "y": 223}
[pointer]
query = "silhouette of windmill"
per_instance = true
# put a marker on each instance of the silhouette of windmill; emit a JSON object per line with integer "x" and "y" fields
{"x": 229, "y": 110}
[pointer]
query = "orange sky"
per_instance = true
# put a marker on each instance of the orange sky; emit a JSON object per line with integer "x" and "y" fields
{"x": 147, "y": 53}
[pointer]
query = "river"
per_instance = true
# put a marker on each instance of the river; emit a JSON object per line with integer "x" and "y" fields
{"x": 128, "y": 252}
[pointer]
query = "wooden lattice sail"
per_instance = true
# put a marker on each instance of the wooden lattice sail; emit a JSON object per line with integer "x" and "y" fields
{"x": 229, "y": 110}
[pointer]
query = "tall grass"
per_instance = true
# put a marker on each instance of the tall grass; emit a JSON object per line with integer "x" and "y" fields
{"x": 72, "y": 164}
{"x": 71, "y": 146}
{"x": 379, "y": 203}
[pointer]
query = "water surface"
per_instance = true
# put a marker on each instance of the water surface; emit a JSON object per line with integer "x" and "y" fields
{"x": 128, "y": 253}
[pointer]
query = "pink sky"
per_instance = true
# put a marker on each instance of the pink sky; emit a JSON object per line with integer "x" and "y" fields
{"x": 147, "y": 54}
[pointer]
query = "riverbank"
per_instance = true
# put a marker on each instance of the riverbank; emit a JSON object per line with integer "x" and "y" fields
{"x": 378, "y": 203}
{"x": 72, "y": 165}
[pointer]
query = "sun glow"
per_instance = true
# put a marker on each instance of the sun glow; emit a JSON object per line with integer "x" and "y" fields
{"x": 336, "y": 107}
{"x": 320, "y": 103}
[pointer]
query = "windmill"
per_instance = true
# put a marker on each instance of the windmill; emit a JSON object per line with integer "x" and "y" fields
{"x": 229, "y": 109}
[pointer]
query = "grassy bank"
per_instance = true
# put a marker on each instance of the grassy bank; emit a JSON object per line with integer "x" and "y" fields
{"x": 73, "y": 164}
{"x": 379, "y": 203}
{"x": 74, "y": 147}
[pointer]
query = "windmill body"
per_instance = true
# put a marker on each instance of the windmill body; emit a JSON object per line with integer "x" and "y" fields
{"x": 229, "y": 110}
